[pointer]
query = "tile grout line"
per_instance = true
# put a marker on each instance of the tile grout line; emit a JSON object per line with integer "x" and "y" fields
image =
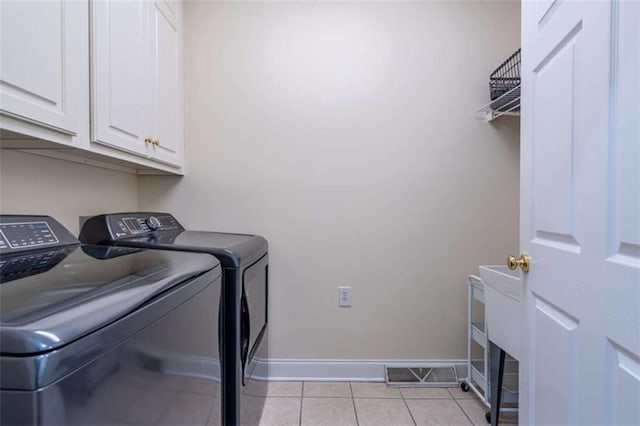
{"x": 301, "y": 401}
{"x": 298, "y": 396}
{"x": 210, "y": 413}
{"x": 460, "y": 406}
{"x": 353, "y": 402}
{"x": 349, "y": 397}
{"x": 408, "y": 409}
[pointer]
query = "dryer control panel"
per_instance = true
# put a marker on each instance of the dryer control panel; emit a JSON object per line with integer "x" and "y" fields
{"x": 117, "y": 226}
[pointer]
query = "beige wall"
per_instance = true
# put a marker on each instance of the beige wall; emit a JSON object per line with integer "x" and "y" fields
{"x": 30, "y": 184}
{"x": 345, "y": 134}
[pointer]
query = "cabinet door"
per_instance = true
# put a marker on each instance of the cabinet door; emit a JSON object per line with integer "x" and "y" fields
{"x": 43, "y": 68}
{"x": 120, "y": 75}
{"x": 167, "y": 81}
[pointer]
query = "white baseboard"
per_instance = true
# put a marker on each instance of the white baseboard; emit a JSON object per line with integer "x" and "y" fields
{"x": 344, "y": 370}
{"x": 282, "y": 369}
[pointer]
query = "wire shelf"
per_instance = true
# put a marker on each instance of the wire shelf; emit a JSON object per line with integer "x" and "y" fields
{"x": 504, "y": 90}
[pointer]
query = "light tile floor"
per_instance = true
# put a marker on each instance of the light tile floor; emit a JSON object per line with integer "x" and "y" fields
{"x": 365, "y": 404}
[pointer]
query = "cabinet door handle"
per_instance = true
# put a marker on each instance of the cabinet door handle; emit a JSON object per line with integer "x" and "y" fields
{"x": 148, "y": 139}
{"x": 155, "y": 141}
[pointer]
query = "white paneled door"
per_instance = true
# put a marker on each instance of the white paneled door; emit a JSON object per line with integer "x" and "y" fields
{"x": 580, "y": 212}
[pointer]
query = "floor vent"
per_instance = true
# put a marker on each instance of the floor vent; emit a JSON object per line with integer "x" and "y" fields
{"x": 437, "y": 377}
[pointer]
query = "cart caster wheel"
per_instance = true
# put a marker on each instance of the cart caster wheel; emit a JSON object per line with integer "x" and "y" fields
{"x": 464, "y": 386}
{"x": 487, "y": 416}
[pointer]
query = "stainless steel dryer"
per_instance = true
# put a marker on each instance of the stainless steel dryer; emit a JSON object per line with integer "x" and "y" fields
{"x": 245, "y": 263}
{"x": 105, "y": 335}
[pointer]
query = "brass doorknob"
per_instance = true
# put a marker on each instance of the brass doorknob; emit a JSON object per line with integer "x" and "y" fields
{"x": 523, "y": 262}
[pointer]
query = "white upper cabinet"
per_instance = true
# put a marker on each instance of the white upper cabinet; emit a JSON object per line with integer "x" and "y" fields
{"x": 167, "y": 82}
{"x": 136, "y": 79}
{"x": 120, "y": 75}
{"x": 102, "y": 76}
{"x": 43, "y": 68}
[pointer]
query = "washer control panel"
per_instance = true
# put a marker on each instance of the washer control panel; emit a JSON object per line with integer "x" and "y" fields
{"x": 25, "y": 233}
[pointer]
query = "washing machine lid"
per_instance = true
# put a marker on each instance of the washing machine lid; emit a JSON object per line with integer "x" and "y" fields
{"x": 162, "y": 230}
{"x": 52, "y": 297}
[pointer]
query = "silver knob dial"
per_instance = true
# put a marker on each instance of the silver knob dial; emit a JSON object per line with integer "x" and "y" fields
{"x": 153, "y": 223}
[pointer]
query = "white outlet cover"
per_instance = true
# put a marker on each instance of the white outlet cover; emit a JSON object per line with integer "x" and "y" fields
{"x": 344, "y": 297}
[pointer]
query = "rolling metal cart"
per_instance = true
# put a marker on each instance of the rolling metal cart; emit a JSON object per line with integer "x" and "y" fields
{"x": 478, "y": 370}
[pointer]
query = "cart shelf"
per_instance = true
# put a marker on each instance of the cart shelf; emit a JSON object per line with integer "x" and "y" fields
{"x": 478, "y": 334}
{"x": 478, "y": 379}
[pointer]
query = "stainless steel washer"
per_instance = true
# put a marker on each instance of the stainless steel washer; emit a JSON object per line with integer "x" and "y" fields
{"x": 105, "y": 335}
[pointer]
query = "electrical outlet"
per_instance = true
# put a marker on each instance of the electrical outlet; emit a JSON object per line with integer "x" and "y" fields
{"x": 344, "y": 297}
